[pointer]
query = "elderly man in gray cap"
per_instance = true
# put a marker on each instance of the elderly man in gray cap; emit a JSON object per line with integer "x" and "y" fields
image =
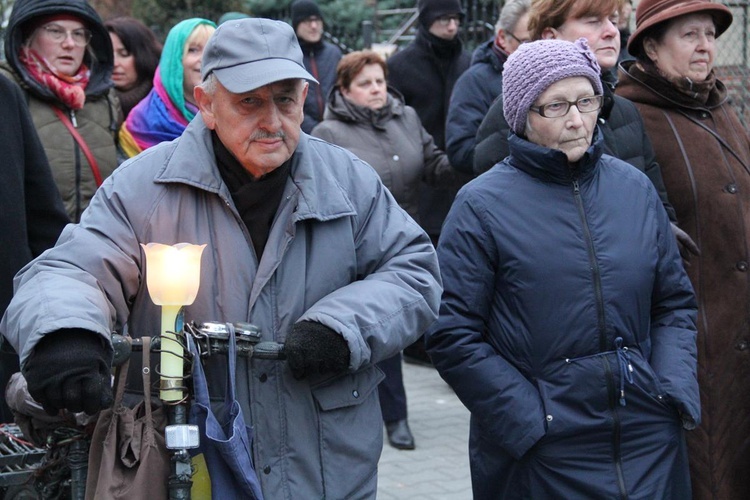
{"x": 303, "y": 241}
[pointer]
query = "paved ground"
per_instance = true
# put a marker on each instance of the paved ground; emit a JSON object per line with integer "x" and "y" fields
{"x": 439, "y": 468}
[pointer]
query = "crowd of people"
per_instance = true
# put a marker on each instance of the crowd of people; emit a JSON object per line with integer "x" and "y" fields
{"x": 556, "y": 222}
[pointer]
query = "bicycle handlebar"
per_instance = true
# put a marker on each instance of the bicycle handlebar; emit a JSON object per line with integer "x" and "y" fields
{"x": 210, "y": 338}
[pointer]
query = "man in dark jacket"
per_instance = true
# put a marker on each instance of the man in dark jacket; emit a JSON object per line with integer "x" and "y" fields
{"x": 619, "y": 121}
{"x": 425, "y": 72}
{"x": 31, "y": 211}
{"x": 320, "y": 58}
{"x": 478, "y": 87}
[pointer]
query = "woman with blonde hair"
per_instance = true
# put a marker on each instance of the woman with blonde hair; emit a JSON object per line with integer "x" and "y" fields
{"x": 169, "y": 107}
{"x": 60, "y": 54}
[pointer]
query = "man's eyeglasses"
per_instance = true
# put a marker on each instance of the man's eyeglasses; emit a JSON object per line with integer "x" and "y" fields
{"x": 56, "y": 33}
{"x": 514, "y": 37}
{"x": 587, "y": 104}
{"x": 446, "y": 20}
{"x": 312, "y": 19}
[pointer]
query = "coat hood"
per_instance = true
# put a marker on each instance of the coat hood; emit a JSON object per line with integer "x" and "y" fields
{"x": 99, "y": 57}
{"x": 342, "y": 109}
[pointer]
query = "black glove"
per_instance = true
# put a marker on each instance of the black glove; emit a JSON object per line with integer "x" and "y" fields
{"x": 70, "y": 369}
{"x": 312, "y": 348}
{"x": 685, "y": 243}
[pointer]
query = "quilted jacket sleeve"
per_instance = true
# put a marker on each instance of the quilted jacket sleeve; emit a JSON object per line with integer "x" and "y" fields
{"x": 505, "y": 403}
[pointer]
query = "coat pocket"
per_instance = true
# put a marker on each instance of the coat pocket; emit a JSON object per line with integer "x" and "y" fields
{"x": 351, "y": 431}
{"x": 575, "y": 397}
{"x": 647, "y": 389}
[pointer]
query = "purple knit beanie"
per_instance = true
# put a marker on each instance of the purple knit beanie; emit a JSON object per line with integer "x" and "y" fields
{"x": 534, "y": 66}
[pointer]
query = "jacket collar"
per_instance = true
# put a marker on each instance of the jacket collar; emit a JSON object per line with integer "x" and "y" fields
{"x": 486, "y": 54}
{"x": 319, "y": 194}
{"x": 658, "y": 92}
{"x": 341, "y": 109}
{"x": 551, "y": 165}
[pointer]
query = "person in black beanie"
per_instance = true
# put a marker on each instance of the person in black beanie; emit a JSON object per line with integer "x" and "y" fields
{"x": 320, "y": 59}
{"x": 424, "y": 72}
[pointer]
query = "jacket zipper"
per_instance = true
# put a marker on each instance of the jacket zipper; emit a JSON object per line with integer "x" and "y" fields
{"x": 594, "y": 268}
{"x": 611, "y": 390}
{"x": 616, "y": 437}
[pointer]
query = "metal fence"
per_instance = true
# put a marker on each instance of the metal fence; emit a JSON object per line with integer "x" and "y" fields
{"x": 732, "y": 65}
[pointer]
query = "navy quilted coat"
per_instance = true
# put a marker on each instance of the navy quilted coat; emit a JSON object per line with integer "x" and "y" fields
{"x": 567, "y": 328}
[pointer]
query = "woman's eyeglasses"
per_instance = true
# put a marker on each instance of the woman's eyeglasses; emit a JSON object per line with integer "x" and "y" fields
{"x": 587, "y": 104}
{"x": 81, "y": 37}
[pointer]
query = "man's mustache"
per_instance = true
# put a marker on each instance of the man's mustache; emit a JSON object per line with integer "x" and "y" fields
{"x": 263, "y": 134}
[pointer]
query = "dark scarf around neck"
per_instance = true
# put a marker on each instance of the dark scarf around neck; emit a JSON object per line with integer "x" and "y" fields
{"x": 129, "y": 98}
{"x": 256, "y": 200}
{"x": 443, "y": 49}
{"x": 695, "y": 92}
{"x": 308, "y": 47}
{"x": 501, "y": 55}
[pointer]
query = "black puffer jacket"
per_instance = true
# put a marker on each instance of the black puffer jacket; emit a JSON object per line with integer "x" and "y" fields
{"x": 621, "y": 125}
{"x": 31, "y": 212}
{"x": 472, "y": 96}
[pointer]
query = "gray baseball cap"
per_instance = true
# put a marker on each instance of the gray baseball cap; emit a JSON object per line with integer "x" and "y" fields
{"x": 246, "y": 54}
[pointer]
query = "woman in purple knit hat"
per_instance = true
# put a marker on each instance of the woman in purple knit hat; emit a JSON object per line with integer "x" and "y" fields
{"x": 567, "y": 322}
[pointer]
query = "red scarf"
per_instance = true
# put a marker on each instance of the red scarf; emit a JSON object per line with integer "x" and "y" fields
{"x": 71, "y": 90}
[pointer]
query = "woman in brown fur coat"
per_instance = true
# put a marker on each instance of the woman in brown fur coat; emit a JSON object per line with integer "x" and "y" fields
{"x": 704, "y": 153}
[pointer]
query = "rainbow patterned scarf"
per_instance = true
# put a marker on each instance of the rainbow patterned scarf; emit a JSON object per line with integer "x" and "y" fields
{"x": 153, "y": 120}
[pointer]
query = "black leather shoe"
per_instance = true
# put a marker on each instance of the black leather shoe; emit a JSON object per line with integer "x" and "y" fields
{"x": 399, "y": 435}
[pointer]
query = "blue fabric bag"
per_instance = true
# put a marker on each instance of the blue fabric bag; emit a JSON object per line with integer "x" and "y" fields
{"x": 226, "y": 443}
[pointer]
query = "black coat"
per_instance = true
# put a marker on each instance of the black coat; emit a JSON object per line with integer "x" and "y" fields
{"x": 320, "y": 60}
{"x": 624, "y": 138}
{"x": 31, "y": 211}
{"x": 472, "y": 97}
{"x": 424, "y": 72}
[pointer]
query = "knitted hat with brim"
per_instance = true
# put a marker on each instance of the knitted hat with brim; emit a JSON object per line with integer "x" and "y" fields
{"x": 534, "y": 66}
{"x": 652, "y": 12}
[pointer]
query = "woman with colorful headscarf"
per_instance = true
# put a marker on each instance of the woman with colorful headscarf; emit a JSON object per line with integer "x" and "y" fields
{"x": 60, "y": 54}
{"x": 169, "y": 107}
